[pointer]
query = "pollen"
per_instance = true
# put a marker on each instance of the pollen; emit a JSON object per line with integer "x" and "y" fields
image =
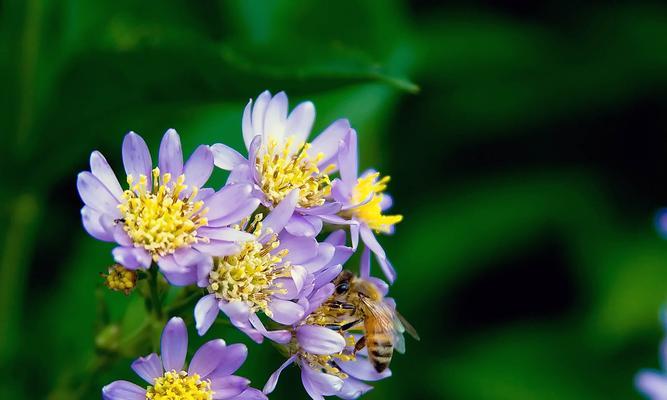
{"x": 120, "y": 279}
{"x": 250, "y": 274}
{"x": 327, "y": 363}
{"x": 158, "y": 218}
{"x": 179, "y": 385}
{"x": 371, "y": 212}
{"x": 281, "y": 172}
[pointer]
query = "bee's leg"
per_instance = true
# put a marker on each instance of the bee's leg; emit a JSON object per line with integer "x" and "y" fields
{"x": 349, "y": 325}
{"x": 341, "y": 305}
{"x": 361, "y": 343}
{"x": 334, "y": 327}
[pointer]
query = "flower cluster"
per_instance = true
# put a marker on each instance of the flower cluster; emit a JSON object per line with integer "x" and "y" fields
{"x": 266, "y": 250}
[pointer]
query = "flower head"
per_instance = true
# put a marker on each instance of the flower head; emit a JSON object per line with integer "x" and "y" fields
{"x": 280, "y": 159}
{"x": 270, "y": 274}
{"x": 364, "y": 203}
{"x": 209, "y": 375}
{"x": 164, "y": 215}
{"x": 120, "y": 279}
{"x": 329, "y": 363}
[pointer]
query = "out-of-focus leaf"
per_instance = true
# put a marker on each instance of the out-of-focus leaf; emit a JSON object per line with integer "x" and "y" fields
{"x": 494, "y": 74}
{"x": 526, "y": 362}
{"x": 488, "y": 219}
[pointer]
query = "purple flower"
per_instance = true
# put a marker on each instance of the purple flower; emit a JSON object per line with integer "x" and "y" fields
{"x": 164, "y": 216}
{"x": 363, "y": 203}
{"x": 279, "y": 157}
{"x": 329, "y": 366}
{"x": 273, "y": 273}
{"x": 209, "y": 375}
{"x": 653, "y": 383}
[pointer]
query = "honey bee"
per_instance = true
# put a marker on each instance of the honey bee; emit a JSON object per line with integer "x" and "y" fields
{"x": 358, "y": 304}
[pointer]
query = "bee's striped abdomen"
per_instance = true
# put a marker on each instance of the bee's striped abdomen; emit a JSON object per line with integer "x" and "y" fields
{"x": 380, "y": 349}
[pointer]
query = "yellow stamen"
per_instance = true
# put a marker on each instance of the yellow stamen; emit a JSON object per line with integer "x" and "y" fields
{"x": 326, "y": 316}
{"x": 158, "y": 219}
{"x": 249, "y": 275}
{"x": 371, "y": 212}
{"x": 281, "y": 172}
{"x": 179, "y": 385}
{"x": 120, "y": 279}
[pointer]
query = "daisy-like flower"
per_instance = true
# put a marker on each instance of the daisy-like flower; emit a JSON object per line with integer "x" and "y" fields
{"x": 652, "y": 383}
{"x": 270, "y": 274}
{"x": 329, "y": 365}
{"x": 363, "y": 203}
{"x": 164, "y": 215}
{"x": 279, "y": 157}
{"x": 208, "y": 377}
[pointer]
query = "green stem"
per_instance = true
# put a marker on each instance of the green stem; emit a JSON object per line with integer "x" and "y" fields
{"x": 154, "y": 292}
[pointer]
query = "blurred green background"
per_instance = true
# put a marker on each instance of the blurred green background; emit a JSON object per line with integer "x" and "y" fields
{"x": 526, "y": 142}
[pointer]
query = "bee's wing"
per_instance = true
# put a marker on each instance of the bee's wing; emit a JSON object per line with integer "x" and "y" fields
{"x": 386, "y": 316}
{"x": 407, "y": 326}
{"x": 401, "y": 325}
{"x": 399, "y": 339}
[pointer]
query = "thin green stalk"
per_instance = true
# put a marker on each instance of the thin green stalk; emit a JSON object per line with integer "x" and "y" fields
{"x": 154, "y": 292}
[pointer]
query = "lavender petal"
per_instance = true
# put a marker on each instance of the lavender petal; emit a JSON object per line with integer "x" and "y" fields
{"x": 285, "y": 312}
{"x": 123, "y": 390}
{"x": 362, "y": 369}
{"x": 258, "y": 112}
{"x": 228, "y": 386}
{"x": 275, "y": 376}
{"x": 246, "y": 124}
{"x": 136, "y": 157}
{"x": 95, "y": 195}
{"x": 174, "y": 344}
{"x": 328, "y": 141}
{"x": 206, "y": 311}
{"x": 92, "y": 224}
{"x": 199, "y": 167}
{"x": 102, "y": 171}
{"x": 278, "y": 218}
{"x": 300, "y": 122}
{"x": 132, "y": 257}
{"x": 231, "y": 360}
{"x": 353, "y": 388}
{"x": 347, "y": 157}
{"x": 207, "y": 358}
{"x": 148, "y": 368}
{"x": 275, "y": 118}
{"x": 319, "y": 340}
{"x": 327, "y": 385}
{"x": 225, "y": 157}
{"x": 170, "y": 157}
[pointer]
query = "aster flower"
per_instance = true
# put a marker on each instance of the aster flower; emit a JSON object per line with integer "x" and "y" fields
{"x": 280, "y": 159}
{"x": 164, "y": 216}
{"x": 652, "y": 383}
{"x": 209, "y": 375}
{"x": 329, "y": 365}
{"x": 271, "y": 274}
{"x": 363, "y": 204}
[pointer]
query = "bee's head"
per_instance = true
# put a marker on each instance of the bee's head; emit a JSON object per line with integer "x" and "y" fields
{"x": 343, "y": 282}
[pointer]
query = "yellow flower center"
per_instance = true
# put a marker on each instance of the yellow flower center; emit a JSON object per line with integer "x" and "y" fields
{"x": 120, "y": 279}
{"x": 249, "y": 275}
{"x": 179, "y": 386}
{"x": 281, "y": 172}
{"x": 371, "y": 212}
{"x": 158, "y": 219}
